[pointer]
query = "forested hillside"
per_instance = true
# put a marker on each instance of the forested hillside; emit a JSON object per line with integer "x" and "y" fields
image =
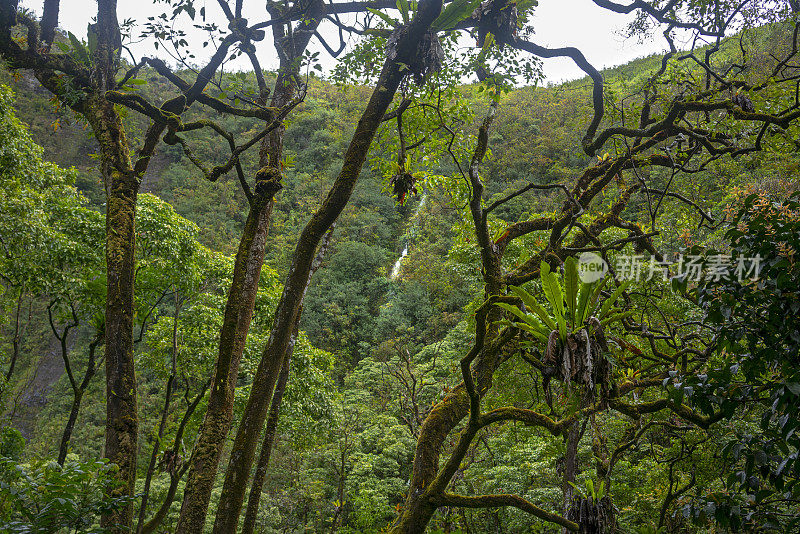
{"x": 421, "y": 349}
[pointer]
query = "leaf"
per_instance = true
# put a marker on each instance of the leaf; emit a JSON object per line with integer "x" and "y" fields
{"x": 91, "y": 35}
{"x": 571, "y": 288}
{"x": 531, "y": 330}
{"x": 402, "y": 7}
{"x": 529, "y": 319}
{"x": 555, "y": 296}
{"x": 79, "y": 49}
{"x": 613, "y": 298}
{"x": 595, "y": 296}
{"x": 386, "y": 18}
{"x": 524, "y": 5}
{"x": 584, "y": 291}
{"x": 487, "y": 44}
{"x": 454, "y": 13}
{"x": 534, "y": 306}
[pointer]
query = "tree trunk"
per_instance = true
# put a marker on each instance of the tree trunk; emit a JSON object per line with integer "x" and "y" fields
{"x": 161, "y": 513}
{"x": 275, "y": 411}
{"x": 154, "y": 522}
{"x": 266, "y": 447}
{"x": 247, "y": 437}
{"x": 122, "y": 419}
{"x": 570, "y": 467}
{"x": 233, "y": 335}
{"x": 238, "y": 314}
{"x": 17, "y": 337}
{"x": 77, "y": 396}
{"x": 77, "y": 392}
{"x": 418, "y": 510}
{"x": 446, "y": 415}
{"x": 205, "y": 458}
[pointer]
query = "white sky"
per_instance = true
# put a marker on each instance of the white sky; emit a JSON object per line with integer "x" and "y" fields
{"x": 580, "y": 23}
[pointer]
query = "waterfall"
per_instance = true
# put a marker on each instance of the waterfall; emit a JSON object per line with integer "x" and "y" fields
{"x": 396, "y": 268}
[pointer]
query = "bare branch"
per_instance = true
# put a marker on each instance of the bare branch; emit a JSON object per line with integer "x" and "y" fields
{"x": 501, "y": 500}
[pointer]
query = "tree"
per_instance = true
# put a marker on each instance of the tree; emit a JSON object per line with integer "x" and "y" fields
{"x": 38, "y": 195}
{"x": 755, "y": 371}
{"x": 49, "y": 239}
{"x": 648, "y": 136}
{"x": 237, "y": 474}
{"x": 84, "y": 78}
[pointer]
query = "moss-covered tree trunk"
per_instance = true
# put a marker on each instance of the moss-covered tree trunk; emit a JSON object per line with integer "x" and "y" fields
{"x": 254, "y": 500}
{"x": 242, "y": 294}
{"x": 122, "y": 420}
{"x": 238, "y": 315}
{"x": 122, "y": 187}
{"x": 91, "y": 80}
{"x": 287, "y": 313}
{"x": 418, "y": 509}
{"x": 90, "y": 84}
{"x": 426, "y": 479}
{"x": 233, "y": 337}
{"x": 260, "y": 475}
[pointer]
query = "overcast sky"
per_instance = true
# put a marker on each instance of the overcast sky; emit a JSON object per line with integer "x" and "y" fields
{"x": 596, "y": 31}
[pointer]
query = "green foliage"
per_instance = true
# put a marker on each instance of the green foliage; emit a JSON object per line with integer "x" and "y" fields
{"x": 52, "y": 240}
{"x": 49, "y": 235}
{"x": 453, "y": 13}
{"x": 759, "y": 351}
{"x": 344, "y": 299}
{"x": 42, "y": 496}
{"x": 572, "y": 305}
{"x": 11, "y": 443}
{"x": 591, "y": 490}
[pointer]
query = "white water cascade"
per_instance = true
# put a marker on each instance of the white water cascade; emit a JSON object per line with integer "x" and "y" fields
{"x": 396, "y": 268}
